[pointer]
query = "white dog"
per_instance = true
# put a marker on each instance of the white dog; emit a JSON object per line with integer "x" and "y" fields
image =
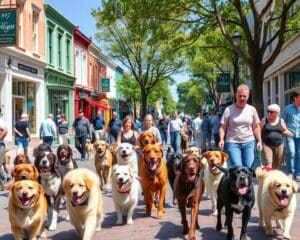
{"x": 126, "y": 155}
{"x": 124, "y": 191}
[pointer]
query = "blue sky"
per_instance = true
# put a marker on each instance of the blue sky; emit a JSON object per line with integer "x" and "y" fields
{"x": 78, "y": 12}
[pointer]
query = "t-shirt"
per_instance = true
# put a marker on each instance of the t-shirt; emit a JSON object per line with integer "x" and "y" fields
{"x": 163, "y": 124}
{"x": 21, "y": 127}
{"x": 2, "y": 126}
{"x": 115, "y": 126}
{"x": 238, "y": 123}
{"x": 82, "y": 126}
{"x": 63, "y": 127}
{"x": 98, "y": 123}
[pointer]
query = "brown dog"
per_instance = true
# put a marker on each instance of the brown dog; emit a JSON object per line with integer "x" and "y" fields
{"x": 21, "y": 158}
{"x": 189, "y": 188}
{"x": 146, "y": 138}
{"x": 184, "y": 143}
{"x": 154, "y": 177}
{"x": 103, "y": 163}
{"x": 193, "y": 150}
{"x": 25, "y": 171}
{"x": 89, "y": 147}
{"x": 27, "y": 209}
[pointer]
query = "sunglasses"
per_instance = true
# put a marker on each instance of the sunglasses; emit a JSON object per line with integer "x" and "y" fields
{"x": 271, "y": 112}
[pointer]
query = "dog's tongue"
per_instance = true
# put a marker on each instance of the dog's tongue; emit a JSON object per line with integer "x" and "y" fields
{"x": 242, "y": 190}
{"x": 76, "y": 200}
{"x": 191, "y": 177}
{"x": 25, "y": 201}
{"x": 121, "y": 186}
{"x": 284, "y": 200}
{"x": 153, "y": 165}
{"x": 214, "y": 167}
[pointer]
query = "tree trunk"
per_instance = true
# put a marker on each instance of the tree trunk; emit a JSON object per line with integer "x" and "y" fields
{"x": 257, "y": 91}
{"x": 144, "y": 103}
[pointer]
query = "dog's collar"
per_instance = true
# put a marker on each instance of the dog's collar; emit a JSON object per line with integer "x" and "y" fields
{"x": 84, "y": 203}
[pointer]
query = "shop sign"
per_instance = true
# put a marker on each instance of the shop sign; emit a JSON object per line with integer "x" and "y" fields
{"x": 8, "y": 29}
{"x": 83, "y": 95}
{"x": 105, "y": 86}
{"x": 60, "y": 96}
{"x": 27, "y": 68}
{"x": 223, "y": 82}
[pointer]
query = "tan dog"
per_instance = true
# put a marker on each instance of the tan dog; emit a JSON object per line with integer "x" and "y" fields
{"x": 89, "y": 147}
{"x": 193, "y": 150}
{"x": 103, "y": 163}
{"x": 25, "y": 171}
{"x": 184, "y": 143}
{"x": 27, "y": 209}
{"x": 276, "y": 198}
{"x": 213, "y": 175}
{"x": 84, "y": 201}
{"x": 154, "y": 177}
{"x": 21, "y": 158}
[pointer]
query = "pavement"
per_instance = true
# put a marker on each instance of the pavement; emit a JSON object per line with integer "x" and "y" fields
{"x": 148, "y": 227}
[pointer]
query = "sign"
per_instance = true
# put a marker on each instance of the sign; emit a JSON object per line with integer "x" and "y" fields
{"x": 223, "y": 82}
{"x": 8, "y": 27}
{"x": 83, "y": 95}
{"x": 105, "y": 86}
{"x": 27, "y": 68}
{"x": 60, "y": 96}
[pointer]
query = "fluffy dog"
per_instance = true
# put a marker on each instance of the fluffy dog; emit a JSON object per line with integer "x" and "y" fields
{"x": 65, "y": 159}
{"x": 236, "y": 193}
{"x": 154, "y": 177}
{"x": 276, "y": 198}
{"x": 193, "y": 150}
{"x": 89, "y": 147}
{"x": 189, "y": 190}
{"x": 25, "y": 171}
{"x": 43, "y": 147}
{"x": 84, "y": 201}
{"x": 213, "y": 175}
{"x": 146, "y": 138}
{"x": 124, "y": 191}
{"x": 21, "y": 158}
{"x": 103, "y": 163}
{"x": 173, "y": 163}
{"x": 126, "y": 155}
{"x": 27, "y": 209}
{"x": 51, "y": 179}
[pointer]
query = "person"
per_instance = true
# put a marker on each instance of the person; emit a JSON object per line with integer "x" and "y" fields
{"x": 4, "y": 166}
{"x": 175, "y": 125}
{"x": 206, "y": 132}
{"x": 138, "y": 124}
{"x": 128, "y": 133}
{"x": 114, "y": 127}
{"x": 197, "y": 126}
{"x": 63, "y": 128}
{"x": 98, "y": 124}
{"x": 215, "y": 124}
{"x": 148, "y": 125}
{"x": 48, "y": 130}
{"x": 291, "y": 116}
{"x": 241, "y": 123}
{"x": 163, "y": 129}
{"x": 22, "y": 134}
{"x": 82, "y": 131}
{"x": 273, "y": 129}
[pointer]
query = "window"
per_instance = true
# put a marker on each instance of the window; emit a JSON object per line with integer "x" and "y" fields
{"x": 35, "y": 34}
{"x": 50, "y": 46}
{"x": 276, "y": 90}
{"x": 68, "y": 59}
{"x": 59, "y": 49}
{"x": 20, "y": 7}
{"x": 269, "y": 92}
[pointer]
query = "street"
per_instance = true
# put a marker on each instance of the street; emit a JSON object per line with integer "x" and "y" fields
{"x": 148, "y": 227}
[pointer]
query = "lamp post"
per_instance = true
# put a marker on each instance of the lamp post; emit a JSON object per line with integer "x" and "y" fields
{"x": 236, "y": 38}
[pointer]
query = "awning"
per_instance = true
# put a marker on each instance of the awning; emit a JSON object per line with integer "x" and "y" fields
{"x": 97, "y": 105}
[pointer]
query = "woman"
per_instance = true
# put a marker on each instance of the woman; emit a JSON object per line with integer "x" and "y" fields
{"x": 273, "y": 129}
{"x": 22, "y": 134}
{"x": 241, "y": 124}
{"x": 63, "y": 128}
{"x": 127, "y": 134}
{"x": 149, "y": 126}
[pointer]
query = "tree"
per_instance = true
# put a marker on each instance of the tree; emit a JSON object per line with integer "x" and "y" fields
{"x": 143, "y": 45}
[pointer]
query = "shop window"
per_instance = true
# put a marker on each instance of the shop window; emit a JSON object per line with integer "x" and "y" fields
{"x": 294, "y": 80}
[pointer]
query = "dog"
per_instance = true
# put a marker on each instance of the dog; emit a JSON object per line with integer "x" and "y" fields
{"x": 21, "y": 158}
{"x": 236, "y": 193}
{"x": 126, "y": 155}
{"x": 50, "y": 179}
{"x": 154, "y": 177}
{"x": 213, "y": 175}
{"x": 84, "y": 201}
{"x": 89, "y": 147}
{"x": 193, "y": 150}
{"x": 124, "y": 191}
{"x": 43, "y": 147}
{"x": 27, "y": 209}
{"x": 184, "y": 142}
{"x": 276, "y": 198}
{"x": 25, "y": 171}
{"x": 146, "y": 138}
{"x": 65, "y": 159}
{"x": 189, "y": 188}
{"x": 173, "y": 163}
{"x": 103, "y": 163}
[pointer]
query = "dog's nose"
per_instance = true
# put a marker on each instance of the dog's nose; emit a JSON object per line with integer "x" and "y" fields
{"x": 23, "y": 176}
{"x": 75, "y": 193}
{"x": 283, "y": 192}
{"x": 121, "y": 179}
{"x": 152, "y": 159}
{"x": 24, "y": 194}
{"x": 44, "y": 161}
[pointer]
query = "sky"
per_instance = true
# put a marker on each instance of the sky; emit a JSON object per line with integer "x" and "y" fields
{"x": 78, "y": 12}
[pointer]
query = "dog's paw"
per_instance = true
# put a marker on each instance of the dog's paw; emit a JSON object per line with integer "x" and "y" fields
{"x": 219, "y": 226}
{"x": 279, "y": 224}
{"x": 214, "y": 213}
{"x": 269, "y": 231}
{"x": 68, "y": 218}
{"x": 185, "y": 229}
{"x": 286, "y": 236}
{"x": 98, "y": 229}
{"x": 119, "y": 221}
{"x": 160, "y": 214}
{"x": 43, "y": 234}
{"x": 129, "y": 221}
{"x": 52, "y": 227}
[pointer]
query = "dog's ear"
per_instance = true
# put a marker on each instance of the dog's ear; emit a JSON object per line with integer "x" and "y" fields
{"x": 252, "y": 172}
{"x": 70, "y": 152}
{"x": 225, "y": 156}
{"x": 35, "y": 172}
{"x": 294, "y": 186}
{"x": 13, "y": 172}
{"x": 106, "y": 144}
{"x": 89, "y": 182}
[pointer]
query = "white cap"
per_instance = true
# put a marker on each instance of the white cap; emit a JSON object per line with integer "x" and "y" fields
{"x": 24, "y": 115}
{"x": 274, "y": 108}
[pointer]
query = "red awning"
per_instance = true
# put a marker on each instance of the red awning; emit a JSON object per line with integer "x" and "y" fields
{"x": 98, "y": 105}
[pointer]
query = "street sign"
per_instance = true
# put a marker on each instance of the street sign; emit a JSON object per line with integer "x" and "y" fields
{"x": 8, "y": 27}
{"x": 223, "y": 82}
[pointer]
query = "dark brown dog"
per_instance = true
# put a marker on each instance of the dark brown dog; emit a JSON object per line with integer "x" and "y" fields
{"x": 21, "y": 158}
{"x": 65, "y": 159}
{"x": 146, "y": 138}
{"x": 189, "y": 188}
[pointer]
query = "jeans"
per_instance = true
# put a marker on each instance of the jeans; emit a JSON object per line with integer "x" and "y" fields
{"x": 48, "y": 140}
{"x": 293, "y": 155}
{"x": 217, "y": 139}
{"x": 175, "y": 141}
{"x": 164, "y": 137}
{"x": 22, "y": 143}
{"x": 241, "y": 154}
{"x": 80, "y": 145}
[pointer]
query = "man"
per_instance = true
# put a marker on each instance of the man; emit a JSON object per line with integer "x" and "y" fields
{"x": 48, "y": 130}
{"x": 291, "y": 116}
{"x": 98, "y": 124}
{"x": 197, "y": 126}
{"x": 82, "y": 131}
{"x": 114, "y": 127}
{"x": 175, "y": 125}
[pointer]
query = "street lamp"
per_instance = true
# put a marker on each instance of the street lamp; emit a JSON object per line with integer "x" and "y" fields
{"x": 236, "y": 38}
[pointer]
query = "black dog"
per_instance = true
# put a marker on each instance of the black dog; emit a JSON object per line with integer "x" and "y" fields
{"x": 173, "y": 163}
{"x": 65, "y": 159}
{"x": 236, "y": 193}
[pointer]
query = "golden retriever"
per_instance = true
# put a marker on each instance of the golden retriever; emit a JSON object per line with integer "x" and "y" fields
{"x": 193, "y": 150}
{"x": 89, "y": 147}
{"x": 27, "y": 209}
{"x": 276, "y": 198}
{"x": 84, "y": 201}
{"x": 25, "y": 171}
